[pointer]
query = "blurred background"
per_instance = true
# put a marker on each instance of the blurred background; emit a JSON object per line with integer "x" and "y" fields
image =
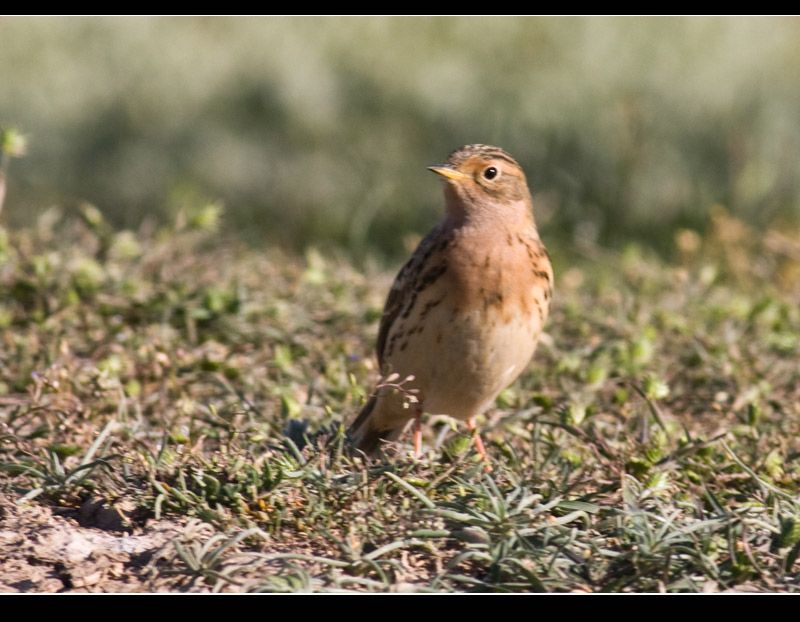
{"x": 318, "y": 130}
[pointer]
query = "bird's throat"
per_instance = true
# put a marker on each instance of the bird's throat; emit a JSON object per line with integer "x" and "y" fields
{"x": 464, "y": 208}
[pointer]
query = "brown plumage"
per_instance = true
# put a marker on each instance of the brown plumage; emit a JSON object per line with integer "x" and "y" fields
{"x": 465, "y": 312}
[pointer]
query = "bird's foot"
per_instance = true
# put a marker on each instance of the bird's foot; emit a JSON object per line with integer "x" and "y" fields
{"x": 418, "y": 434}
{"x": 479, "y": 446}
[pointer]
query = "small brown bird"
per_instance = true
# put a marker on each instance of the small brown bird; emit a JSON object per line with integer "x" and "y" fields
{"x": 465, "y": 313}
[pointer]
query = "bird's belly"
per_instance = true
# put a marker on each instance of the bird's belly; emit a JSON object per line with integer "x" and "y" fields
{"x": 463, "y": 359}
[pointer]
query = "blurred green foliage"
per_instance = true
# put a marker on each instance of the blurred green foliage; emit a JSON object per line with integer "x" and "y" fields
{"x": 315, "y": 130}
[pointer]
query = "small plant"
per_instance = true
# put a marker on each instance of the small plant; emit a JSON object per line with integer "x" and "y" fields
{"x": 12, "y": 145}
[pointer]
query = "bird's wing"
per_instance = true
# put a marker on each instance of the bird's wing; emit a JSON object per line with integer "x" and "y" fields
{"x": 405, "y": 285}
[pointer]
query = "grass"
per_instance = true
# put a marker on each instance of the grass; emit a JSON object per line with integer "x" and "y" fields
{"x": 652, "y": 445}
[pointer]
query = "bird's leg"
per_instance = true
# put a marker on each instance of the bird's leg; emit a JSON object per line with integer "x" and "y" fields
{"x": 418, "y": 432}
{"x": 476, "y": 438}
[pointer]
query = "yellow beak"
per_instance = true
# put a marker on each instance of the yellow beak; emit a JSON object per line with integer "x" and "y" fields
{"x": 449, "y": 173}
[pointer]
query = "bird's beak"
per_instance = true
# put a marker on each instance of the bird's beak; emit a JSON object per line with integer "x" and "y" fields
{"x": 448, "y": 173}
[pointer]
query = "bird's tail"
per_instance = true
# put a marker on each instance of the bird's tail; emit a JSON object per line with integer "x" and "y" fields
{"x": 367, "y": 432}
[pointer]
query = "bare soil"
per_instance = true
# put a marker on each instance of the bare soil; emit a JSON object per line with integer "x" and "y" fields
{"x": 91, "y": 550}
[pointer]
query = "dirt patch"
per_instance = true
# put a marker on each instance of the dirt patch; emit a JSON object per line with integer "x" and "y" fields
{"x": 42, "y": 550}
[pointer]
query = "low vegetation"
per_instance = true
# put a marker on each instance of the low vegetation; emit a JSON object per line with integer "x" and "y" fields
{"x": 169, "y": 374}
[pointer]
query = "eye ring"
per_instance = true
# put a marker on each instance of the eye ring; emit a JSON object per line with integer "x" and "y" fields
{"x": 491, "y": 172}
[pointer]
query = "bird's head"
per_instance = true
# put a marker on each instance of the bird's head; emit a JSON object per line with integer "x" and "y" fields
{"x": 480, "y": 178}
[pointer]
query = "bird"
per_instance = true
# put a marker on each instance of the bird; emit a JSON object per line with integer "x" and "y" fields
{"x": 464, "y": 314}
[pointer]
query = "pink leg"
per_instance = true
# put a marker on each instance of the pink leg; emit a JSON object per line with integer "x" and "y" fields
{"x": 418, "y": 433}
{"x": 476, "y": 438}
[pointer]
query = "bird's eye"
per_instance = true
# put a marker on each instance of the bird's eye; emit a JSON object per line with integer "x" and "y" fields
{"x": 490, "y": 173}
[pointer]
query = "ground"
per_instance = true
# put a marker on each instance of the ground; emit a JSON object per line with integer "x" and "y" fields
{"x": 46, "y": 549}
{"x": 172, "y": 407}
